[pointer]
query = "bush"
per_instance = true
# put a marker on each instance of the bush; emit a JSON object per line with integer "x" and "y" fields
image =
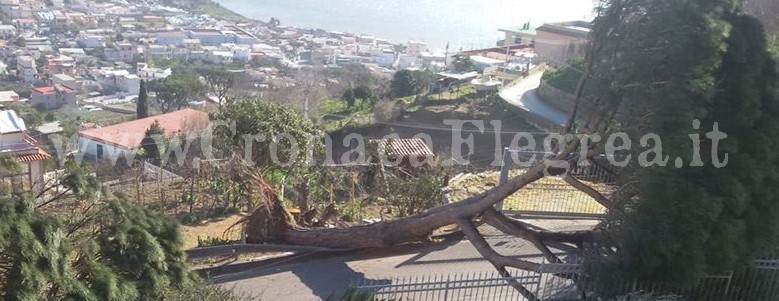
{"x": 387, "y": 110}
{"x": 565, "y": 79}
{"x": 190, "y": 218}
{"x": 213, "y": 241}
{"x": 202, "y": 292}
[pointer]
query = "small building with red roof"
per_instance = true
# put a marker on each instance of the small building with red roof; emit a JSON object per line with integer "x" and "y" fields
{"x": 15, "y": 141}
{"x": 53, "y": 97}
{"x": 117, "y": 139}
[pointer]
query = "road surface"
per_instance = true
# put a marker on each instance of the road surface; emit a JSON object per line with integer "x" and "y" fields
{"x": 319, "y": 276}
{"x": 522, "y": 94}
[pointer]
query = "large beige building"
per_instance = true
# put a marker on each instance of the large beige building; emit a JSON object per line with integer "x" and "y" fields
{"x": 555, "y": 43}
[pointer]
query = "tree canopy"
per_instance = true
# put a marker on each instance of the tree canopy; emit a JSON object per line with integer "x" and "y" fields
{"x": 268, "y": 122}
{"x": 407, "y": 82}
{"x": 175, "y": 91}
{"x": 111, "y": 251}
{"x": 709, "y": 69}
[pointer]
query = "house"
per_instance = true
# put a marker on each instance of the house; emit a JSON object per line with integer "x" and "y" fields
{"x": 147, "y": 73}
{"x": 91, "y": 41}
{"x": 53, "y": 97}
{"x": 65, "y": 80}
{"x": 25, "y": 65}
{"x": 520, "y": 35}
{"x": 560, "y": 42}
{"x": 553, "y": 42}
{"x": 125, "y": 137}
{"x": 415, "y": 48}
{"x": 174, "y": 38}
{"x": 62, "y": 64}
{"x": 123, "y": 52}
{"x": 14, "y": 140}
{"x": 7, "y": 31}
{"x": 8, "y": 96}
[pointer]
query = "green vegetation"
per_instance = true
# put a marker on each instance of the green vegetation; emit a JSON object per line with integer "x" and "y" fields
{"x": 682, "y": 223}
{"x": 269, "y": 120}
{"x": 567, "y": 78}
{"x": 463, "y": 63}
{"x": 175, "y": 91}
{"x": 407, "y": 82}
{"x": 142, "y": 106}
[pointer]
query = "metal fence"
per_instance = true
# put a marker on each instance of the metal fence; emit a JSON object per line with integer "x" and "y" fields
{"x": 559, "y": 282}
{"x": 552, "y": 196}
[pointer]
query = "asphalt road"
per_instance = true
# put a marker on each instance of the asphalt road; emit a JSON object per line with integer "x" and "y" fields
{"x": 522, "y": 94}
{"x": 320, "y": 275}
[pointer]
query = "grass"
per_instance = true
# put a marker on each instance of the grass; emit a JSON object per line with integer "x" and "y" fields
{"x": 547, "y": 194}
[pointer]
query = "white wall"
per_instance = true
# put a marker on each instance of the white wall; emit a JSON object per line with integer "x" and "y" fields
{"x": 88, "y": 148}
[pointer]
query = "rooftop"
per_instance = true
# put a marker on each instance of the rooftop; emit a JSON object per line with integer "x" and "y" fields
{"x": 129, "y": 134}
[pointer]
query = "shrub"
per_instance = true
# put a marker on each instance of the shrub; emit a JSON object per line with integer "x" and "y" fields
{"x": 213, "y": 241}
{"x": 387, "y": 110}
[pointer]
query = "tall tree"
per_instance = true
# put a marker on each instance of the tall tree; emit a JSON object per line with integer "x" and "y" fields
{"x": 142, "y": 106}
{"x": 219, "y": 80}
{"x": 175, "y": 91}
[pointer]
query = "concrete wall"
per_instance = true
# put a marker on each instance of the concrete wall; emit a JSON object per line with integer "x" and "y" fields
{"x": 557, "y": 48}
{"x": 561, "y": 100}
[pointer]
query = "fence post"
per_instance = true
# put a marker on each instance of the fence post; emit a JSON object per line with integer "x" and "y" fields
{"x": 446, "y": 288}
{"x": 504, "y": 173}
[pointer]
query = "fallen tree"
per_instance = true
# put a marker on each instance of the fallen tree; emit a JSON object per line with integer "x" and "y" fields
{"x": 652, "y": 67}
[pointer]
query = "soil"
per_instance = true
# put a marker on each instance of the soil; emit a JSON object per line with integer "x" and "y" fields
{"x": 430, "y": 120}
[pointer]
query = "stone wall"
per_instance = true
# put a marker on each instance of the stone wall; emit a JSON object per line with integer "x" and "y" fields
{"x": 561, "y": 100}
{"x": 555, "y": 97}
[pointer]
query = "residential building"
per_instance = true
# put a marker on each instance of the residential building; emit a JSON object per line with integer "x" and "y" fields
{"x": 7, "y": 31}
{"x": 14, "y": 140}
{"x": 62, "y": 64}
{"x": 8, "y": 96}
{"x": 559, "y": 42}
{"x": 64, "y": 80}
{"x": 147, "y": 73}
{"x": 91, "y": 41}
{"x": 118, "y": 139}
{"x": 123, "y": 52}
{"x": 519, "y": 35}
{"x": 210, "y": 36}
{"x": 53, "y": 97}
{"x": 415, "y": 48}
{"x": 175, "y": 38}
{"x": 25, "y": 65}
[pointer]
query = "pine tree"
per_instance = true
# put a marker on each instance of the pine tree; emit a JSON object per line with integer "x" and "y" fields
{"x": 679, "y": 61}
{"x": 142, "y": 107}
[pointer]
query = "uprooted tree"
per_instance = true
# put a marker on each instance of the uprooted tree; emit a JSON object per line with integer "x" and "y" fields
{"x": 673, "y": 68}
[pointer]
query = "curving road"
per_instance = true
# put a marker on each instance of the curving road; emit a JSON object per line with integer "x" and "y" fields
{"x": 522, "y": 94}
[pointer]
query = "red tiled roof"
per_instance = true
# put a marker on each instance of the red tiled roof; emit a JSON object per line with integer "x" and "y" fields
{"x": 40, "y": 155}
{"x": 129, "y": 134}
{"x": 44, "y": 90}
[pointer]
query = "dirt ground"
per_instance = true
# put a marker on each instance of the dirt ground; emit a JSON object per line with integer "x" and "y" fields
{"x": 488, "y": 142}
{"x": 212, "y": 228}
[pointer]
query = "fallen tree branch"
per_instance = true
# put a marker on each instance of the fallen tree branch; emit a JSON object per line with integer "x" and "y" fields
{"x": 501, "y": 222}
{"x": 599, "y": 197}
{"x": 500, "y": 262}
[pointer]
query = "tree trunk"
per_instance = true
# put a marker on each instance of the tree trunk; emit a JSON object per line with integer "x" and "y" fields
{"x": 386, "y": 233}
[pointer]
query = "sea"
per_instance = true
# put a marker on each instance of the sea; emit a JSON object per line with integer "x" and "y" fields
{"x": 462, "y": 24}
